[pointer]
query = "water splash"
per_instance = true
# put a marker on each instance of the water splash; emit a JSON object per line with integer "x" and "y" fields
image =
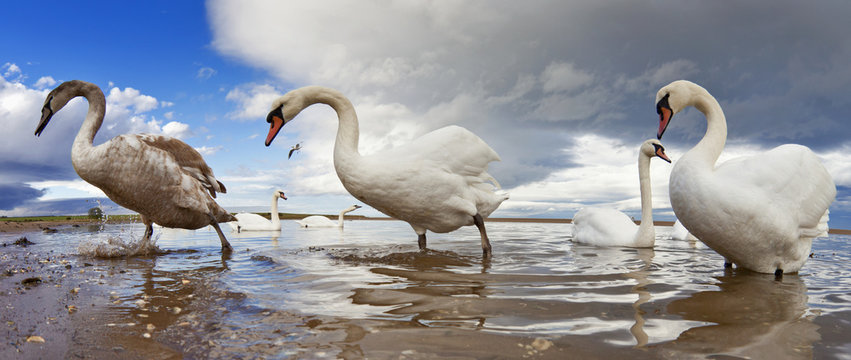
{"x": 119, "y": 245}
{"x": 116, "y": 245}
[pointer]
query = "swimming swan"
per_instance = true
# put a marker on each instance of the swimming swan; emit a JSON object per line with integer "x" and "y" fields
{"x": 322, "y": 221}
{"x": 166, "y": 181}
{"x": 679, "y": 232}
{"x": 254, "y": 222}
{"x": 610, "y": 227}
{"x": 759, "y": 212}
{"x": 438, "y": 182}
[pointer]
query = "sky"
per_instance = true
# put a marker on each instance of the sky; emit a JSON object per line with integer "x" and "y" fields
{"x": 564, "y": 91}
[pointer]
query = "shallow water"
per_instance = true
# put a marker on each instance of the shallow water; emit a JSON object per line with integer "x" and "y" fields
{"x": 367, "y": 291}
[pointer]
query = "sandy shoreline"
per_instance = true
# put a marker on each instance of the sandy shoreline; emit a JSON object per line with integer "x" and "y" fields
{"x": 13, "y": 227}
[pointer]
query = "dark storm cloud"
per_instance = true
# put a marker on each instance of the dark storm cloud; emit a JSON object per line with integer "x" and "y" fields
{"x": 13, "y": 195}
{"x": 79, "y": 206}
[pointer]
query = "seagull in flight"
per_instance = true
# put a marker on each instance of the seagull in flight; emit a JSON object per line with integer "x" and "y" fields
{"x": 293, "y": 149}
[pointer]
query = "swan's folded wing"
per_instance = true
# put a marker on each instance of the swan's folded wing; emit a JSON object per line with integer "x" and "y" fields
{"x": 190, "y": 160}
{"x": 791, "y": 172}
{"x": 453, "y": 148}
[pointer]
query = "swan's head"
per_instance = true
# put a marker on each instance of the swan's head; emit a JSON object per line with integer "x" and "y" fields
{"x": 280, "y": 194}
{"x": 673, "y": 98}
{"x": 353, "y": 208}
{"x": 653, "y": 147}
{"x": 284, "y": 109}
{"x": 57, "y": 99}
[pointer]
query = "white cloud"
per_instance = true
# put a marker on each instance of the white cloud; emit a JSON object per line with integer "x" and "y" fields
{"x": 20, "y": 109}
{"x": 177, "y": 130}
{"x": 12, "y": 72}
{"x": 534, "y": 80}
{"x": 63, "y": 189}
{"x": 838, "y": 164}
{"x": 130, "y": 98}
{"x": 253, "y": 101}
{"x": 208, "y": 150}
{"x": 205, "y": 73}
{"x": 606, "y": 175}
{"x": 45, "y": 81}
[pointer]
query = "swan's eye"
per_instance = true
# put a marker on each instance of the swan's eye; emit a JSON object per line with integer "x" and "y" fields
{"x": 663, "y": 103}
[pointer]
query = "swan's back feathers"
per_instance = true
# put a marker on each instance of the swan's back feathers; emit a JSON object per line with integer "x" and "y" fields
{"x": 789, "y": 173}
{"x": 316, "y": 221}
{"x": 601, "y": 226}
{"x": 189, "y": 160}
{"x": 453, "y": 148}
{"x": 254, "y": 222}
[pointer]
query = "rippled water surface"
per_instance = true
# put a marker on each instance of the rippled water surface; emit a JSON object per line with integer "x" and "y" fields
{"x": 367, "y": 291}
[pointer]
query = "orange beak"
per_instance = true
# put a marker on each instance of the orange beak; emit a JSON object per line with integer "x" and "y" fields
{"x": 660, "y": 152}
{"x": 664, "y": 118}
{"x": 276, "y": 121}
{"x": 665, "y": 114}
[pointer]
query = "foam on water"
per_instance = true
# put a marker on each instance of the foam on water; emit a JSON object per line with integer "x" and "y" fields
{"x": 118, "y": 245}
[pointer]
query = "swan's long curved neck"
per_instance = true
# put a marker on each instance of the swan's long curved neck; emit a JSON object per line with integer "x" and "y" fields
{"x": 275, "y": 218}
{"x": 94, "y": 117}
{"x": 646, "y": 234}
{"x": 342, "y": 217}
{"x": 346, "y": 145}
{"x": 709, "y": 148}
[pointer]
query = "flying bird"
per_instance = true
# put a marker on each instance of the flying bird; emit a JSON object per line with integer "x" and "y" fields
{"x": 295, "y": 148}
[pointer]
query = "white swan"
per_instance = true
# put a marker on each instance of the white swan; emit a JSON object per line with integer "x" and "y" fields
{"x": 254, "y": 222}
{"x": 679, "y": 232}
{"x": 166, "y": 181}
{"x": 438, "y": 182}
{"x": 759, "y": 212}
{"x": 610, "y": 227}
{"x": 322, "y": 221}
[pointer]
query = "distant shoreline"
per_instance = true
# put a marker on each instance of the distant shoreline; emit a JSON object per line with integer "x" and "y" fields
{"x": 12, "y": 225}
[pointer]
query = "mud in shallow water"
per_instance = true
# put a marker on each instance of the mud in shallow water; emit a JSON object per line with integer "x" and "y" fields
{"x": 368, "y": 292}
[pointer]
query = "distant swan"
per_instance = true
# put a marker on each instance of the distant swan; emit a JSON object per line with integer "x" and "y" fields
{"x": 438, "y": 182}
{"x": 322, "y": 221}
{"x": 760, "y": 212}
{"x": 254, "y": 222}
{"x": 679, "y": 232}
{"x": 166, "y": 181}
{"x": 610, "y": 227}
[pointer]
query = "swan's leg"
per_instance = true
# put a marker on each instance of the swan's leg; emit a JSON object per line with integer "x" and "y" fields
{"x": 421, "y": 240}
{"x": 778, "y": 273}
{"x": 149, "y": 229}
{"x": 486, "y": 244}
{"x": 225, "y": 244}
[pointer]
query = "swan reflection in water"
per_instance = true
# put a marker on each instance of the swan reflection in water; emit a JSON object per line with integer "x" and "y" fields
{"x": 751, "y": 315}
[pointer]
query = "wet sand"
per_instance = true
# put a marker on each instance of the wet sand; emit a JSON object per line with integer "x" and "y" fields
{"x": 58, "y": 306}
{"x": 75, "y": 305}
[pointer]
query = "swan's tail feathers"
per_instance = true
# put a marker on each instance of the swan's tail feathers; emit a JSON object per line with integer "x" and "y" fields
{"x": 207, "y": 180}
{"x": 819, "y": 230}
{"x": 492, "y": 180}
{"x": 823, "y": 228}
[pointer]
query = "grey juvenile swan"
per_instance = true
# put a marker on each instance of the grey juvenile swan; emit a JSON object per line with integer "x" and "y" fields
{"x": 163, "y": 179}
